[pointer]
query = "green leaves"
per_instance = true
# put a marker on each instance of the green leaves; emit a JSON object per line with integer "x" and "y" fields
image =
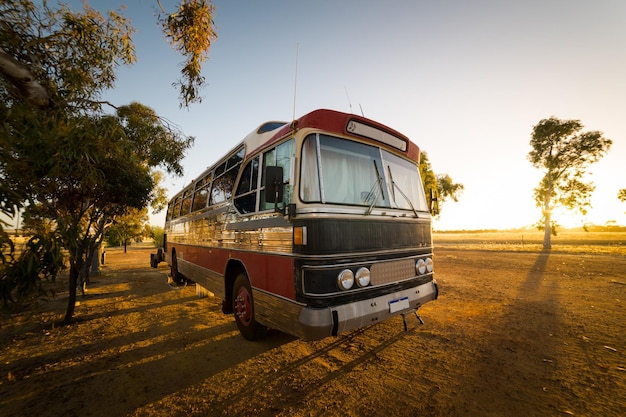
{"x": 155, "y": 141}
{"x": 60, "y": 157}
{"x": 70, "y": 56}
{"x": 190, "y": 30}
{"x": 57, "y": 57}
{"x": 21, "y": 278}
{"x": 82, "y": 171}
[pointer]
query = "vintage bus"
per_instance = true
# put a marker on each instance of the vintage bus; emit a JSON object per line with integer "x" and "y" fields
{"x": 314, "y": 227}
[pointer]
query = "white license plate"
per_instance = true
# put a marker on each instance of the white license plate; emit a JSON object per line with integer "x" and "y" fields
{"x": 399, "y": 304}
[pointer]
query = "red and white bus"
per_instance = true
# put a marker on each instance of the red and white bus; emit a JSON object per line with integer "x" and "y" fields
{"x": 314, "y": 227}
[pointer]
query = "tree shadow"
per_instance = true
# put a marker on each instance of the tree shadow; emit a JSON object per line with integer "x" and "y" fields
{"x": 517, "y": 346}
{"x": 116, "y": 374}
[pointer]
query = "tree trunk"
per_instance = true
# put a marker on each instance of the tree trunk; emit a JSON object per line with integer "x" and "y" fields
{"x": 71, "y": 301}
{"x": 547, "y": 226}
{"x": 547, "y": 235}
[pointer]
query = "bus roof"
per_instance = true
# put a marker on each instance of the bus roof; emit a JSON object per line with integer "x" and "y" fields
{"x": 325, "y": 120}
{"x": 332, "y": 121}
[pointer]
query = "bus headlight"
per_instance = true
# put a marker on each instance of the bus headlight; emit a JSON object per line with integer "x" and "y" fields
{"x": 420, "y": 267}
{"x": 429, "y": 265}
{"x": 345, "y": 279}
{"x": 363, "y": 277}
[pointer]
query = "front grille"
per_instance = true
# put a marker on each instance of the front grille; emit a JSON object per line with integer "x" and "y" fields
{"x": 387, "y": 272}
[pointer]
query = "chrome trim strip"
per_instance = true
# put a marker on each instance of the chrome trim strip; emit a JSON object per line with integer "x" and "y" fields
{"x": 360, "y": 263}
{"x": 361, "y": 254}
{"x": 319, "y": 167}
{"x": 358, "y": 212}
{"x": 254, "y": 224}
{"x": 306, "y": 257}
{"x": 233, "y": 248}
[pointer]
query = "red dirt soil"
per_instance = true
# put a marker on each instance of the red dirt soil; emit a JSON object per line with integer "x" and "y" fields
{"x": 512, "y": 334}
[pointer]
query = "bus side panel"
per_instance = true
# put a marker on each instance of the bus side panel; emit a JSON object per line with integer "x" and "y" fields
{"x": 192, "y": 263}
{"x": 267, "y": 272}
{"x": 214, "y": 259}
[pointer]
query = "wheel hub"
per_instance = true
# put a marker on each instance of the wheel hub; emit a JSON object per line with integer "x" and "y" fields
{"x": 243, "y": 306}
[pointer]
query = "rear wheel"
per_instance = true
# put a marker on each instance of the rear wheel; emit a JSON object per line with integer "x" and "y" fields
{"x": 177, "y": 277}
{"x": 243, "y": 306}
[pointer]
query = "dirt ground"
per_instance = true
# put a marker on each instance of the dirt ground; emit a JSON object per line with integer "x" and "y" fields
{"x": 512, "y": 334}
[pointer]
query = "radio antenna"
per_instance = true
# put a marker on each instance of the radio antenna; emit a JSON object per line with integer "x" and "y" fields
{"x": 295, "y": 85}
{"x": 348, "y": 96}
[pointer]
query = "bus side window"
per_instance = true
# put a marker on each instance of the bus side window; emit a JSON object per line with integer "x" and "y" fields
{"x": 201, "y": 196}
{"x": 168, "y": 215}
{"x": 218, "y": 194}
{"x": 186, "y": 203}
{"x": 245, "y": 200}
{"x": 236, "y": 159}
{"x": 281, "y": 156}
{"x": 176, "y": 210}
{"x": 223, "y": 186}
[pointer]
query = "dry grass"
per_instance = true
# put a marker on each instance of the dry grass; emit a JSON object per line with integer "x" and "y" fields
{"x": 568, "y": 241}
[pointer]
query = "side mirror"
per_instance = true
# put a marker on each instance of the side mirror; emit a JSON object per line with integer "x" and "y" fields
{"x": 434, "y": 202}
{"x": 274, "y": 186}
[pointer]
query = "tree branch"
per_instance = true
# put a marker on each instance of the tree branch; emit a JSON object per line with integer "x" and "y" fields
{"x": 23, "y": 80}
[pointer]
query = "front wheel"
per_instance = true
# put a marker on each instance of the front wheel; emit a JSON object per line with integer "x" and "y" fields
{"x": 243, "y": 306}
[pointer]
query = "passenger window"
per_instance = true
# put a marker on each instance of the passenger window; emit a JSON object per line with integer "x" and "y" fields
{"x": 245, "y": 200}
{"x": 222, "y": 189}
{"x": 176, "y": 210}
{"x": 200, "y": 199}
{"x": 186, "y": 204}
{"x": 223, "y": 186}
{"x": 201, "y": 196}
{"x": 281, "y": 156}
{"x": 220, "y": 169}
{"x": 170, "y": 208}
{"x": 236, "y": 159}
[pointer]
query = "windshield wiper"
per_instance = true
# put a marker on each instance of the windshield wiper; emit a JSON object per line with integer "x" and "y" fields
{"x": 379, "y": 190}
{"x": 393, "y": 193}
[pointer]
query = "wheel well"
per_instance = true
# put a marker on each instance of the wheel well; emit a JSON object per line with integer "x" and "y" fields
{"x": 233, "y": 269}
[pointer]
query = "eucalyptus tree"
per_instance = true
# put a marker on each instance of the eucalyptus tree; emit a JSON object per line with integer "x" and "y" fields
{"x": 563, "y": 152}
{"x": 128, "y": 226}
{"x": 83, "y": 171}
{"x": 61, "y": 157}
{"x": 52, "y": 57}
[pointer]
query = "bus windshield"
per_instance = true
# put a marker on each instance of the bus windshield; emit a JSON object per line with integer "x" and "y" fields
{"x": 339, "y": 171}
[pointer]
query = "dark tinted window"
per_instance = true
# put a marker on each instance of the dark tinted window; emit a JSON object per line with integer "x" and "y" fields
{"x": 246, "y": 193}
{"x": 186, "y": 203}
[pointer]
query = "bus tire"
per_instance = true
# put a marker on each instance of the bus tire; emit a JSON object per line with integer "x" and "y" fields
{"x": 243, "y": 308}
{"x": 177, "y": 277}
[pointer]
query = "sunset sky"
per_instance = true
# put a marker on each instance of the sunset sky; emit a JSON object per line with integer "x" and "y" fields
{"x": 465, "y": 80}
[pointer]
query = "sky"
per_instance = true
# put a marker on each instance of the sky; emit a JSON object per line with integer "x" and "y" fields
{"x": 465, "y": 80}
